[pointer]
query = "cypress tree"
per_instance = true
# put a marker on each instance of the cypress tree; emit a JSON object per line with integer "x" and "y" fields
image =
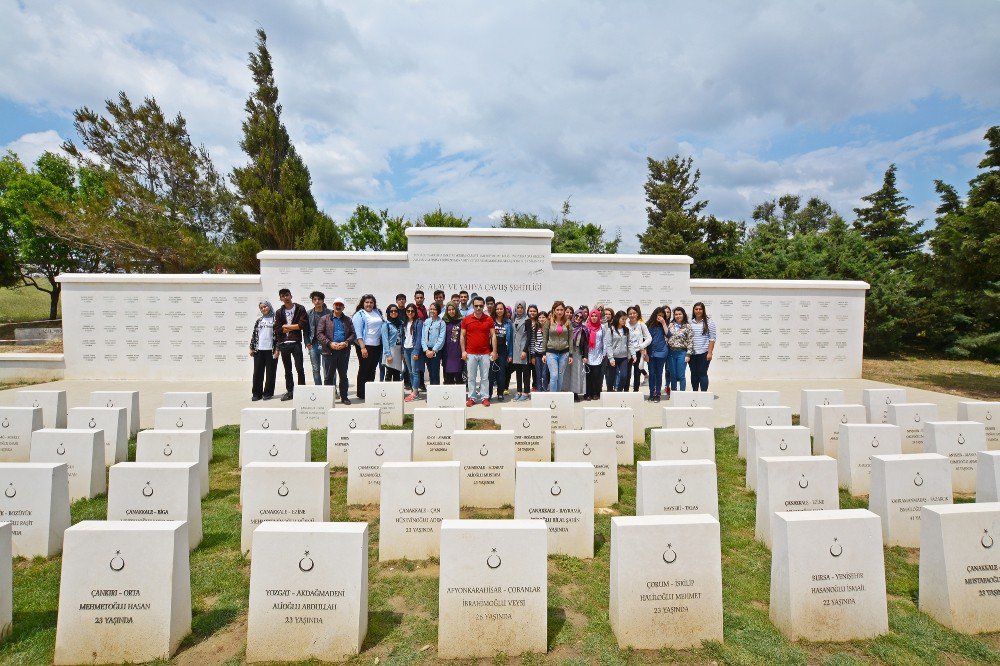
{"x": 883, "y": 222}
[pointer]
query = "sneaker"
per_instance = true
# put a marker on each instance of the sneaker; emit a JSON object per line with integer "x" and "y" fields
{"x": 410, "y": 397}
{"x": 286, "y": 397}
{"x": 668, "y": 393}
{"x": 345, "y": 401}
{"x": 470, "y": 402}
{"x": 486, "y": 402}
{"x": 256, "y": 398}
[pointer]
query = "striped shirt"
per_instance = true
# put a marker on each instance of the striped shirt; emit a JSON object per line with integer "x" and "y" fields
{"x": 700, "y": 339}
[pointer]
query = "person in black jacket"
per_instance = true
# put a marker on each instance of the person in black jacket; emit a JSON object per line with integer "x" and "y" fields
{"x": 336, "y": 335}
{"x": 290, "y": 322}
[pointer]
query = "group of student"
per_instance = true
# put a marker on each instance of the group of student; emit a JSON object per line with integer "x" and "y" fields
{"x": 483, "y": 343}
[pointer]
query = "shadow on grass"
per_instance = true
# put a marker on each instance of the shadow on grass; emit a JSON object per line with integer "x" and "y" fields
{"x": 556, "y": 621}
{"x": 208, "y": 623}
{"x": 380, "y": 625}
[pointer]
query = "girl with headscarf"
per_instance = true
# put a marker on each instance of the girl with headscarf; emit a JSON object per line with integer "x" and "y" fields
{"x": 264, "y": 353}
{"x": 452, "y": 349}
{"x": 579, "y": 345}
{"x": 597, "y": 352}
{"x": 519, "y": 353}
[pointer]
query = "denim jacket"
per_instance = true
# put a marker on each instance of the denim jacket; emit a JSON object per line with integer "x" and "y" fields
{"x": 418, "y": 334}
{"x": 392, "y": 335}
{"x": 433, "y": 337}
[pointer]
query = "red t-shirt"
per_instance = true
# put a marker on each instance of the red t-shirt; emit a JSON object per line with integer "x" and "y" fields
{"x": 477, "y": 334}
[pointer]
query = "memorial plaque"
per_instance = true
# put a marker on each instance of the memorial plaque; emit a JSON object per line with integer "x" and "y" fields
{"x": 487, "y": 474}
{"x": 184, "y": 418}
{"x": 767, "y": 415}
{"x": 388, "y": 398}
{"x": 688, "y": 417}
{"x": 308, "y": 592}
{"x": 187, "y": 399}
{"x": 959, "y": 560}
{"x": 443, "y": 396}
{"x": 596, "y": 447}
{"x": 311, "y": 404}
{"x": 35, "y": 502}
{"x": 987, "y": 413}
{"x": 16, "y": 426}
{"x": 561, "y": 494}
{"x": 754, "y": 399}
{"x": 415, "y": 498}
{"x": 532, "y": 435}
{"x": 988, "y": 476}
{"x": 903, "y": 483}
{"x": 289, "y": 492}
{"x": 268, "y": 418}
{"x": 877, "y": 401}
{"x": 275, "y": 446}
{"x": 619, "y": 421}
{"x": 560, "y": 406}
{"x": 493, "y": 594}
{"x": 634, "y": 401}
{"x": 112, "y": 420}
{"x": 127, "y": 399}
{"x": 692, "y": 399}
{"x": 432, "y": 431}
{"x": 960, "y": 442}
{"x": 6, "y": 582}
{"x": 666, "y": 581}
{"x": 369, "y": 449}
{"x": 827, "y": 423}
{"x": 175, "y": 446}
{"x": 339, "y": 426}
{"x": 828, "y": 576}
{"x": 793, "y": 483}
{"x": 911, "y": 417}
{"x": 157, "y": 491}
{"x": 774, "y": 441}
{"x": 813, "y": 397}
{"x": 124, "y": 593}
{"x": 682, "y": 444}
{"x": 674, "y": 487}
{"x": 52, "y": 404}
{"x": 83, "y": 453}
{"x": 858, "y": 442}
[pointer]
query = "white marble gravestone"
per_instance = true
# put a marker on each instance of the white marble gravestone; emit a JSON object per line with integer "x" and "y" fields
{"x": 666, "y": 581}
{"x": 388, "y": 398}
{"x": 754, "y": 415}
{"x": 289, "y": 492}
{"x": 187, "y": 399}
{"x": 127, "y": 399}
{"x": 415, "y": 498}
{"x": 911, "y": 417}
{"x": 813, "y": 397}
{"x": 432, "y": 431}
{"x": 903, "y": 483}
{"x": 561, "y": 494}
{"x": 311, "y": 404}
{"x": 35, "y": 501}
{"x": 596, "y": 447}
{"x": 960, "y": 442}
{"x": 877, "y": 401}
{"x": 16, "y": 426}
{"x": 959, "y": 560}
{"x": 340, "y": 424}
{"x": 634, "y": 401}
{"x": 674, "y": 487}
{"x": 987, "y": 413}
{"x": 560, "y": 406}
{"x": 442, "y": 396}
{"x": 183, "y": 418}
{"x": 688, "y": 417}
{"x": 124, "y": 593}
{"x": 774, "y": 441}
{"x": 369, "y": 449}
{"x": 487, "y": 474}
{"x": 827, "y": 422}
{"x": 532, "y": 434}
{"x": 858, "y": 442}
{"x": 268, "y": 418}
{"x": 175, "y": 446}
{"x": 275, "y": 446}
{"x": 308, "y": 592}
{"x": 157, "y": 491}
{"x": 6, "y": 581}
{"x": 793, "y": 483}
{"x": 83, "y": 453}
{"x": 52, "y": 404}
{"x": 754, "y": 399}
{"x": 828, "y": 575}
{"x": 493, "y": 588}
{"x": 619, "y": 421}
{"x": 682, "y": 444}
{"x": 988, "y": 476}
{"x": 112, "y": 420}
{"x": 692, "y": 399}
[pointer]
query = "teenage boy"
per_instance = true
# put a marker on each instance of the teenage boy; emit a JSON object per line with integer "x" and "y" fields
{"x": 290, "y": 322}
{"x": 464, "y": 308}
{"x": 478, "y": 341}
{"x": 336, "y": 335}
{"x": 316, "y": 357}
{"x": 418, "y": 300}
{"x": 439, "y": 299}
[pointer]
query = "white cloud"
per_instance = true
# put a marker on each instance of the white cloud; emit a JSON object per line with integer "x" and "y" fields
{"x": 29, "y": 147}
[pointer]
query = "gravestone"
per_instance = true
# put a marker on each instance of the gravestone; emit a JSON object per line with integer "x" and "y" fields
{"x": 183, "y": 418}
{"x": 83, "y": 453}
{"x": 432, "y": 431}
{"x": 311, "y": 404}
{"x": 127, "y": 399}
{"x": 619, "y": 421}
{"x": 112, "y": 420}
{"x": 902, "y": 484}
{"x": 124, "y": 593}
{"x": 827, "y": 422}
{"x": 960, "y": 442}
{"x": 596, "y": 447}
{"x": 560, "y": 406}
{"x": 858, "y": 442}
{"x": 688, "y": 417}
{"x": 767, "y": 415}
{"x": 443, "y": 396}
{"x": 308, "y": 592}
{"x": 288, "y": 492}
{"x": 959, "y": 560}
{"x": 692, "y": 399}
{"x": 340, "y": 424}
{"x": 911, "y": 417}
{"x": 682, "y": 444}
{"x": 988, "y": 476}
{"x": 772, "y": 442}
{"x": 187, "y": 399}
{"x": 16, "y": 426}
{"x": 35, "y": 501}
{"x": 828, "y": 576}
{"x": 154, "y": 446}
{"x": 388, "y": 398}
{"x": 666, "y": 581}
{"x": 493, "y": 588}
{"x": 487, "y": 474}
{"x": 675, "y": 487}
{"x": 52, "y": 404}
{"x": 369, "y": 450}
{"x": 813, "y": 397}
{"x": 561, "y": 494}
{"x": 754, "y": 399}
{"x": 268, "y": 418}
{"x": 793, "y": 483}
{"x": 532, "y": 434}
{"x": 6, "y": 582}
{"x": 634, "y": 401}
{"x": 415, "y": 498}
{"x": 275, "y": 446}
{"x": 877, "y": 401}
{"x": 157, "y": 491}
{"x": 987, "y": 413}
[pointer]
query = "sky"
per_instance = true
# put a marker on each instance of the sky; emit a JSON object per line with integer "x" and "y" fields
{"x": 481, "y": 108}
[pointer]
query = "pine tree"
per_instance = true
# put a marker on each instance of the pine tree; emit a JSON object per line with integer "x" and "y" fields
{"x": 674, "y": 225}
{"x": 883, "y": 222}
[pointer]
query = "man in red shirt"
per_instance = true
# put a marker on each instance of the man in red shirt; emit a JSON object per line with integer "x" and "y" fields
{"x": 478, "y": 342}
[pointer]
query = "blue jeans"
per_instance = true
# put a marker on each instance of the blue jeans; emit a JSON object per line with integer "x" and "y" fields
{"x": 414, "y": 369}
{"x": 699, "y": 372}
{"x": 655, "y": 366}
{"x": 619, "y": 374}
{"x": 316, "y": 360}
{"x": 433, "y": 368}
{"x": 541, "y": 374}
{"x": 477, "y": 369}
{"x": 498, "y": 376}
{"x": 556, "y": 362}
{"x": 675, "y": 361}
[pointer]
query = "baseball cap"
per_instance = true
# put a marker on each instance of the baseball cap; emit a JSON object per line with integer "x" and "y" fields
{"x": 340, "y": 300}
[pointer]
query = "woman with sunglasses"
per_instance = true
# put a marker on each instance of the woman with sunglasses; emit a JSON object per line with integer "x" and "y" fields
{"x": 392, "y": 344}
{"x": 412, "y": 356}
{"x": 367, "y": 322}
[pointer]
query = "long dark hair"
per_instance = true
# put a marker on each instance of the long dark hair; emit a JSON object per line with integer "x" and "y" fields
{"x": 704, "y": 317}
{"x": 613, "y": 324}
{"x": 361, "y": 303}
{"x": 683, "y": 314}
{"x": 651, "y": 322}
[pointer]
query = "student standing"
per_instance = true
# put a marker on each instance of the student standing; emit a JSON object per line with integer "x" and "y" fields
{"x": 576, "y": 369}
{"x": 392, "y": 344}
{"x": 505, "y": 344}
{"x": 453, "y": 363}
{"x": 335, "y": 333}
{"x": 607, "y": 315}
{"x": 464, "y": 307}
{"x": 316, "y": 354}
{"x": 556, "y": 345}
{"x": 680, "y": 345}
{"x": 290, "y": 323}
{"x": 265, "y": 356}
{"x": 432, "y": 342}
{"x": 703, "y": 344}
{"x": 657, "y": 351}
{"x": 439, "y": 301}
{"x": 479, "y": 343}
{"x": 520, "y": 351}
{"x": 638, "y": 340}
{"x": 418, "y": 301}
{"x": 540, "y": 370}
{"x": 368, "y": 329}
{"x": 597, "y": 346}
{"x": 413, "y": 329}
{"x": 616, "y": 337}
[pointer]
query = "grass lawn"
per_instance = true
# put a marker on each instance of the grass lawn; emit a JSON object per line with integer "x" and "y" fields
{"x": 974, "y": 379}
{"x": 24, "y": 304}
{"x": 403, "y": 595}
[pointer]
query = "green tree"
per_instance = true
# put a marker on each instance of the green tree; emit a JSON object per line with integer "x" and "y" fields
{"x": 568, "y": 235}
{"x": 368, "y": 229}
{"x": 883, "y": 222}
{"x": 440, "y": 218}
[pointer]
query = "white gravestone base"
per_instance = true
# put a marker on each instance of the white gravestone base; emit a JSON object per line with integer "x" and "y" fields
{"x": 340, "y": 423}
{"x": 275, "y": 446}
{"x": 52, "y": 404}
{"x": 561, "y": 494}
{"x": 619, "y": 421}
{"x": 987, "y": 413}
{"x": 415, "y": 498}
{"x": 560, "y": 406}
{"x": 184, "y": 418}
{"x": 754, "y": 399}
{"x": 487, "y": 475}
{"x": 767, "y": 415}
{"x": 692, "y": 399}
{"x": 83, "y": 453}
{"x": 387, "y": 397}
{"x": 187, "y": 399}
{"x": 175, "y": 446}
{"x": 901, "y": 485}
{"x": 682, "y": 444}
{"x": 827, "y": 421}
{"x": 112, "y": 420}
{"x": 807, "y": 483}
{"x": 16, "y": 426}
{"x": 6, "y": 582}
{"x": 127, "y": 399}
{"x": 688, "y": 417}
{"x": 773, "y": 442}
{"x": 988, "y": 476}
{"x": 596, "y": 447}
{"x": 634, "y": 401}
{"x": 911, "y": 417}
{"x": 369, "y": 450}
{"x": 432, "y": 431}
{"x": 877, "y": 401}
{"x": 287, "y": 492}
{"x": 960, "y": 442}
{"x": 442, "y": 396}
{"x": 532, "y": 434}
{"x": 675, "y": 487}
{"x": 813, "y": 397}
{"x": 268, "y": 418}
{"x": 858, "y": 442}
{"x": 311, "y": 403}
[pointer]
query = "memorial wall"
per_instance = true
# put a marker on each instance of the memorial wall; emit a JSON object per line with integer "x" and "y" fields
{"x": 198, "y": 326}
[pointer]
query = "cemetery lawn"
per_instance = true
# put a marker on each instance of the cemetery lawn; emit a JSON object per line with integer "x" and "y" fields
{"x": 978, "y": 380}
{"x": 24, "y": 304}
{"x": 402, "y": 626}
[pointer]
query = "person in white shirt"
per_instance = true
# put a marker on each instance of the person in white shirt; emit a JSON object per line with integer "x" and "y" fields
{"x": 638, "y": 339}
